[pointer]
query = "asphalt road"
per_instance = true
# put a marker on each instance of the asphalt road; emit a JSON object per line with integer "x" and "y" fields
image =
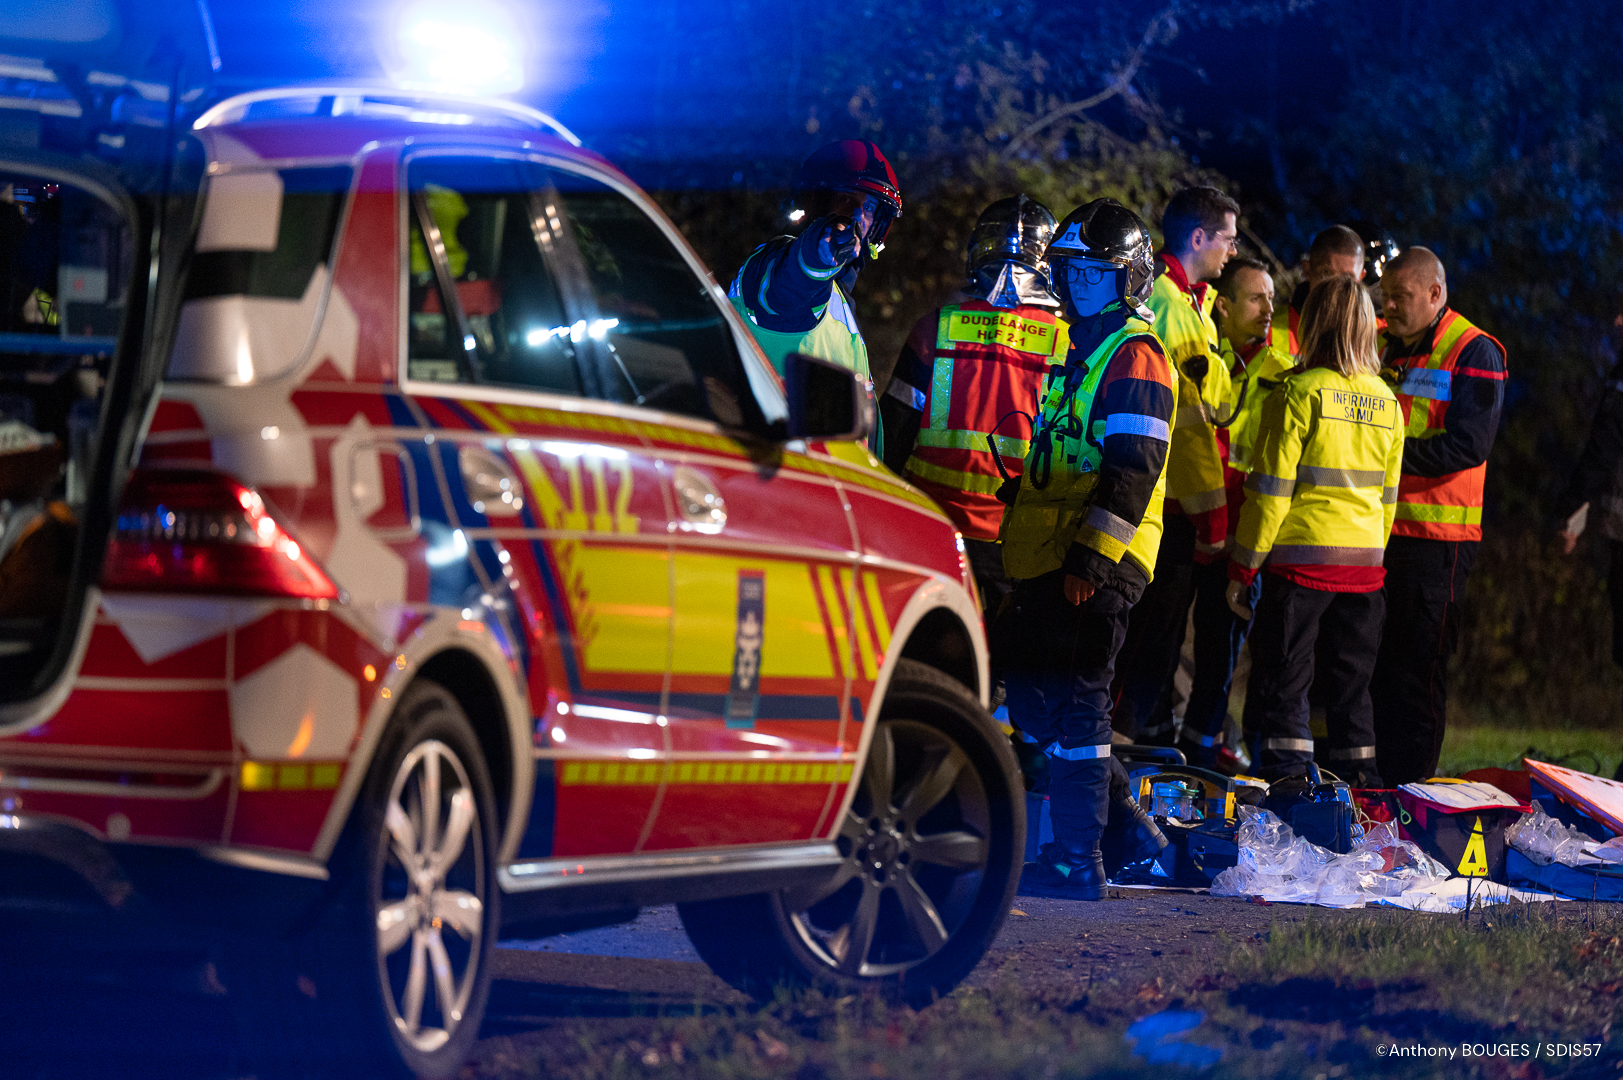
{"x": 1132, "y": 938}
{"x": 176, "y": 1023}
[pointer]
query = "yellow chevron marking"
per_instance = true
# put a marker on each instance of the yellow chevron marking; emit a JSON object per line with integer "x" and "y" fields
{"x": 486, "y": 414}
{"x": 876, "y": 604}
{"x": 859, "y": 625}
{"x": 836, "y": 618}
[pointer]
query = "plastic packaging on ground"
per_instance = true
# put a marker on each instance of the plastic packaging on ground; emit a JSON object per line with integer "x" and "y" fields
{"x": 1452, "y": 895}
{"x": 1276, "y": 864}
{"x": 1545, "y": 840}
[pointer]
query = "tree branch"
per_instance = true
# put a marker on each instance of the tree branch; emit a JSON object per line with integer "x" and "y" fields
{"x": 1119, "y": 86}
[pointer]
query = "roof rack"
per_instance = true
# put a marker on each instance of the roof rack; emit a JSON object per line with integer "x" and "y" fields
{"x": 349, "y": 98}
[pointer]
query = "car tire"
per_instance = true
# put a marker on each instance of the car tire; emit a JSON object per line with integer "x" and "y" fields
{"x": 933, "y": 846}
{"x": 357, "y": 991}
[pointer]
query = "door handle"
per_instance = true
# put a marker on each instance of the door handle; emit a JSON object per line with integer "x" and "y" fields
{"x": 697, "y": 500}
{"x": 491, "y": 486}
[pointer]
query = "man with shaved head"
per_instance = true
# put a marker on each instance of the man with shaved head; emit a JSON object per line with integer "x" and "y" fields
{"x": 1450, "y": 382}
{"x": 1336, "y": 250}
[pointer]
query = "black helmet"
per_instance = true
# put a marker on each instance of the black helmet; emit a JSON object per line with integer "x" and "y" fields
{"x": 1379, "y": 249}
{"x": 849, "y": 166}
{"x": 1016, "y": 229}
{"x": 1106, "y": 231}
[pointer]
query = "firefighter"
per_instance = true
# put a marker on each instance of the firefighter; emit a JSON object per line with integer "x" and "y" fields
{"x": 1319, "y": 506}
{"x": 1199, "y": 227}
{"x": 1450, "y": 381}
{"x": 970, "y": 370}
{"x": 795, "y": 291}
{"x": 1336, "y": 250}
{"x": 1080, "y": 540}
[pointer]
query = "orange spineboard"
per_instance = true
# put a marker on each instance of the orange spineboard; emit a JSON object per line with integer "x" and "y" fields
{"x": 1600, "y": 799}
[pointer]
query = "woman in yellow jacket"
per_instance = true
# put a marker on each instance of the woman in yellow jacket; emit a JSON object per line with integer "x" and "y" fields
{"x": 1318, "y": 510}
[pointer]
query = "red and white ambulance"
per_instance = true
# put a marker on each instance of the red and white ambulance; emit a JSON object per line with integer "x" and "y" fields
{"x": 403, "y": 545}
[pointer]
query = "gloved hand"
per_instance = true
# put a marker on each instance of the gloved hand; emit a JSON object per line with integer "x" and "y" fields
{"x": 1236, "y": 598}
{"x": 839, "y": 242}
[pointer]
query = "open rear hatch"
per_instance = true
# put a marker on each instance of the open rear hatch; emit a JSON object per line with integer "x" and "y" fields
{"x": 99, "y": 181}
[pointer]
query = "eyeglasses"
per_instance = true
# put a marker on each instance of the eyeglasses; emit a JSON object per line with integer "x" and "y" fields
{"x": 1232, "y": 241}
{"x": 1077, "y": 273}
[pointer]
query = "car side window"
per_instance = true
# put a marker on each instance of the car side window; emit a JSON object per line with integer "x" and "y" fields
{"x": 663, "y": 342}
{"x": 474, "y": 231}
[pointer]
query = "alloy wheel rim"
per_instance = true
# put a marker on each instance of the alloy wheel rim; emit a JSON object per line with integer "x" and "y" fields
{"x": 430, "y": 908}
{"x": 916, "y": 845}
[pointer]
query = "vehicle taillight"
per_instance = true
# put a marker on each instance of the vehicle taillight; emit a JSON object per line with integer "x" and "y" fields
{"x": 191, "y": 530}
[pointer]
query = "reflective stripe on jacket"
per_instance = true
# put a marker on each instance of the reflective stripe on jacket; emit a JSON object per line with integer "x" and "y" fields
{"x": 986, "y": 366}
{"x": 1324, "y": 480}
{"x": 1438, "y": 507}
{"x": 1184, "y": 324}
{"x": 1055, "y": 508}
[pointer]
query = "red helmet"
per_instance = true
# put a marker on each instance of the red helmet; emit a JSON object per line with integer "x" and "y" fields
{"x": 850, "y": 165}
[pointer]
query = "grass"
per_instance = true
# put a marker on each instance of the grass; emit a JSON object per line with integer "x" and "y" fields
{"x": 1468, "y": 746}
{"x": 967, "y": 1034}
{"x": 1316, "y": 999}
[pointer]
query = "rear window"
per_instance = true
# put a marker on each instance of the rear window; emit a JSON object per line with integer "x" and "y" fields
{"x": 259, "y": 273}
{"x": 286, "y": 255}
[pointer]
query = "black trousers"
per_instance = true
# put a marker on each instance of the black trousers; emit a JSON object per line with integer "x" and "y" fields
{"x": 1149, "y": 655}
{"x": 1425, "y": 582}
{"x": 1290, "y": 619}
{"x": 986, "y": 563}
{"x": 1219, "y": 635}
{"x": 1155, "y": 640}
{"x": 1058, "y": 681}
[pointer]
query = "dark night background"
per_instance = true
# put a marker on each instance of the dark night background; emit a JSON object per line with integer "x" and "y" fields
{"x": 1483, "y": 130}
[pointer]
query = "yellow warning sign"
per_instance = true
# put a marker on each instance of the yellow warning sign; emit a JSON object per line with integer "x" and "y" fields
{"x": 1474, "y": 863}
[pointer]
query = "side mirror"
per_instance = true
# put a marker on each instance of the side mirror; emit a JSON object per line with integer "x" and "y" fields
{"x": 826, "y": 400}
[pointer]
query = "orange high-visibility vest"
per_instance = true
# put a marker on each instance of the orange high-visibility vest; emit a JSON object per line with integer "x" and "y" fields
{"x": 988, "y": 363}
{"x": 1438, "y": 507}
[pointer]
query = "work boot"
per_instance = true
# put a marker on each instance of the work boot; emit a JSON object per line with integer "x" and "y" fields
{"x": 1365, "y": 778}
{"x": 1130, "y": 836}
{"x": 1065, "y": 874}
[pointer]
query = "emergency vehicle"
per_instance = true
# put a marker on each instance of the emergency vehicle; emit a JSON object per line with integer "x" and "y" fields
{"x": 404, "y": 545}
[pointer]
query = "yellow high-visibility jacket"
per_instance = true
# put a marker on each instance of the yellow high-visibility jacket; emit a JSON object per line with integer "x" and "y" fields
{"x": 1195, "y": 458}
{"x": 1251, "y": 382}
{"x": 1324, "y": 482}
